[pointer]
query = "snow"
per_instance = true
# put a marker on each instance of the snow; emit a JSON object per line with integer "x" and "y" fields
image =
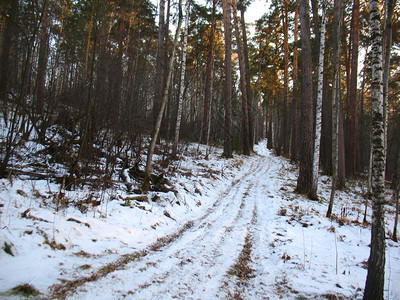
{"x": 187, "y": 242}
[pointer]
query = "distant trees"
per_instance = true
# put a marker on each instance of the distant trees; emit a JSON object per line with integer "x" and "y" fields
{"x": 93, "y": 73}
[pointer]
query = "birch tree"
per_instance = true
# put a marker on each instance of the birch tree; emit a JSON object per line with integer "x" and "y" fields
{"x": 318, "y": 112}
{"x": 376, "y": 264}
{"x": 182, "y": 79}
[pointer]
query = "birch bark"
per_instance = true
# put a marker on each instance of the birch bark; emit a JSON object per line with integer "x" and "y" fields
{"x": 318, "y": 112}
{"x": 374, "y": 285}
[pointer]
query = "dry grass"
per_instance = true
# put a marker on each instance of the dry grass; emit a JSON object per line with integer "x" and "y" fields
{"x": 24, "y": 290}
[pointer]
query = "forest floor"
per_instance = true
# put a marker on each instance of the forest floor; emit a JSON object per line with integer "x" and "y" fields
{"x": 231, "y": 229}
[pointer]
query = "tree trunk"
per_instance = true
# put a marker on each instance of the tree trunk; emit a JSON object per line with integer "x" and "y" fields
{"x": 396, "y": 188}
{"x": 306, "y": 152}
{"x": 294, "y": 140}
{"x": 209, "y": 78}
{"x": 351, "y": 162}
{"x": 182, "y": 80}
{"x": 10, "y": 32}
{"x": 226, "y": 6}
{"x": 158, "y": 83}
{"x": 247, "y": 74}
{"x": 376, "y": 264}
{"x": 43, "y": 58}
{"x": 337, "y": 24}
{"x": 341, "y": 182}
{"x": 315, "y": 15}
{"x": 387, "y": 47}
{"x": 150, "y": 152}
{"x": 396, "y": 218}
{"x": 285, "y": 119}
{"x": 245, "y": 114}
{"x": 318, "y": 111}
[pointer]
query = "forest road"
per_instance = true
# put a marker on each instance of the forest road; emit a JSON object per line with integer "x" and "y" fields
{"x": 216, "y": 257}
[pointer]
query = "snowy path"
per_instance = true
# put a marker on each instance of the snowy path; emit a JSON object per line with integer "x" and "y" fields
{"x": 236, "y": 230}
{"x": 197, "y": 263}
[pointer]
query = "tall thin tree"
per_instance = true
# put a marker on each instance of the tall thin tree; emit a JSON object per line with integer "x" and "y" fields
{"x": 352, "y": 113}
{"x": 243, "y": 88}
{"x": 318, "y": 110}
{"x": 337, "y": 24}
{"x": 209, "y": 77}
{"x": 226, "y": 6}
{"x": 152, "y": 145}
{"x": 182, "y": 80}
{"x": 294, "y": 140}
{"x": 158, "y": 84}
{"x": 304, "y": 180}
{"x": 285, "y": 119}
{"x": 242, "y": 6}
{"x": 387, "y": 47}
{"x": 376, "y": 263}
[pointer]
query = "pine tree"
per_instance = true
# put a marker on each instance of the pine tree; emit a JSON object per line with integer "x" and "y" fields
{"x": 304, "y": 180}
{"x": 226, "y": 6}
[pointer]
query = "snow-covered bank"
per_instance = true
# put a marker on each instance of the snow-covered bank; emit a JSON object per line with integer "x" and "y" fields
{"x": 295, "y": 250}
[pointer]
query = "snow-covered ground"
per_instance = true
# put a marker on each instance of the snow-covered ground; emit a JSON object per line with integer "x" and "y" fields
{"x": 233, "y": 228}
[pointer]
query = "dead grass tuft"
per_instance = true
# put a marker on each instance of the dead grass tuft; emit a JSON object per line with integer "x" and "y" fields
{"x": 24, "y": 290}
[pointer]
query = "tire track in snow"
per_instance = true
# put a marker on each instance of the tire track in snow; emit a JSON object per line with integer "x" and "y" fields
{"x": 244, "y": 275}
{"x": 197, "y": 260}
{"x": 263, "y": 253}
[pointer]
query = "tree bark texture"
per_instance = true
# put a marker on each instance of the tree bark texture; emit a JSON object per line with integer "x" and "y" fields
{"x": 374, "y": 285}
{"x": 306, "y": 151}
